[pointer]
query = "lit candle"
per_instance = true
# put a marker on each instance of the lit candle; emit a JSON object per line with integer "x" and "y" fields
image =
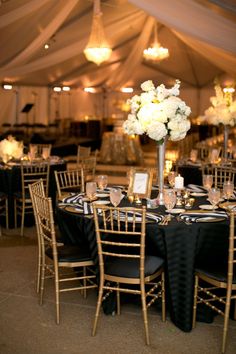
{"x": 179, "y": 182}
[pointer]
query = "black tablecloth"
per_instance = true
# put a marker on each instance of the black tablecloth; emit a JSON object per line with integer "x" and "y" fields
{"x": 183, "y": 247}
{"x": 10, "y": 182}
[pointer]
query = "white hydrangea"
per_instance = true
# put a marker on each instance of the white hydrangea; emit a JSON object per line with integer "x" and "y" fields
{"x": 158, "y": 112}
{"x": 11, "y": 148}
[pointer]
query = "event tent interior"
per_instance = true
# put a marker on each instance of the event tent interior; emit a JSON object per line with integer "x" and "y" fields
{"x": 199, "y": 34}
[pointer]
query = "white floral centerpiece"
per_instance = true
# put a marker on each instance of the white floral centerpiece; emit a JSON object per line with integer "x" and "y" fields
{"x": 223, "y": 109}
{"x": 161, "y": 115}
{"x": 158, "y": 112}
{"x": 11, "y": 148}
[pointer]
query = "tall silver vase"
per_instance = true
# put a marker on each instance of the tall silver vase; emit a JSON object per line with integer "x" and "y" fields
{"x": 226, "y": 137}
{"x": 161, "y": 148}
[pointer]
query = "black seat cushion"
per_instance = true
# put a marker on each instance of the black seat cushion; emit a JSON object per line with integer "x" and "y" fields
{"x": 68, "y": 253}
{"x": 129, "y": 268}
{"x": 216, "y": 272}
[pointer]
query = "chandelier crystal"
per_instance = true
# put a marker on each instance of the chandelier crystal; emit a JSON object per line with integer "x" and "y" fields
{"x": 156, "y": 52}
{"x": 97, "y": 49}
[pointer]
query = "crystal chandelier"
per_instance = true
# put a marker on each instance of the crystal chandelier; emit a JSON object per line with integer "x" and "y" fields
{"x": 156, "y": 52}
{"x": 97, "y": 49}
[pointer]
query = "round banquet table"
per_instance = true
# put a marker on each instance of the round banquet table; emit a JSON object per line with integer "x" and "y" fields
{"x": 10, "y": 182}
{"x": 182, "y": 246}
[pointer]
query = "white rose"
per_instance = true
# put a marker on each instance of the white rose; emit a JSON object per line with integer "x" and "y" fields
{"x": 132, "y": 126}
{"x": 147, "y": 86}
{"x": 157, "y": 131}
{"x": 175, "y": 89}
{"x": 151, "y": 112}
{"x": 162, "y": 92}
{"x": 176, "y": 135}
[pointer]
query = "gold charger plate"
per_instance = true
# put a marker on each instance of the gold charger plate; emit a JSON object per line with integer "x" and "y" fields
{"x": 63, "y": 196}
{"x": 228, "y": 205}
{"x": 73, "y": 209}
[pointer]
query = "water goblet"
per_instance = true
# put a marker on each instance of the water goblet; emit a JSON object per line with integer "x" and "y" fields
{"x": 207, "y": 181}
{"x": 214, "y": 197}
{"x": 171, "y": 178}
{"x": 102, "y": 181}
{"x": 169, "y": 198}
{"x": 45, "y": 153}
{"x": 115, "y": 196}
{"x": 228, "y": 189}
{"x": 91, "y": 188}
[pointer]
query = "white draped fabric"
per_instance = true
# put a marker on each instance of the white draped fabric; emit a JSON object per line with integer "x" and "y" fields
{"x": 207, "y": 32}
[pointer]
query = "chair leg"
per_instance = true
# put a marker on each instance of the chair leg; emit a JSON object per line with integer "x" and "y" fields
{"x": 22, "y": 220}
{"x": 99, "y": 303}
{"x": 195, "y": 301}
{"x": 118, "y": 300}
{"x": 84, "y": 283}
{"x": 163, "y": 297}
{"x": 226, "y": 319}
{"x": 15, "y": 213}
{"x": 39, "y": 271}
{"x": 42, "y": 279}
{"x": 144, "y": 309}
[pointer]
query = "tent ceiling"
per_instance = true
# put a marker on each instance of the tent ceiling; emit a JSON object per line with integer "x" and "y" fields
{"x": 24, "y": 61}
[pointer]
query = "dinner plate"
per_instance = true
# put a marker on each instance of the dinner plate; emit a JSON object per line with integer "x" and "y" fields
{"x": 228, "y": 205}
{"x": 207, "y": 207}
{"x": 198, "y": 194}
{"x": 73, "y": 209}
{"x": 101, "y": 202}
{"x": 175, "y": 211}
{"x": 102, "y": 195}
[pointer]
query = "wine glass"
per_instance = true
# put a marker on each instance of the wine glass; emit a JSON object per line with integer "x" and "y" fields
{"x": 214, "y": 196}
{"x": 102, "y": 181}
{"x": 207, "y": 181}
{"x": 45, "y": 153}
{"x": 169, "y": 198}
{"x": 115, "y": 196}
{"x": 228, "y": 189}
{"x": 171, "y": 178}
{"x": 91, "y": 188}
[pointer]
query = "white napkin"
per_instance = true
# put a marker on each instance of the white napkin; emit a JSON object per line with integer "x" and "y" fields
{"x": 77, "y": 200}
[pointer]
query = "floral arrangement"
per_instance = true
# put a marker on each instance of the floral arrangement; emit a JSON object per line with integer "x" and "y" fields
{"x": 158, "y": 112}
{"x": 11, "y": 148}
{"x": 223, "y": 109}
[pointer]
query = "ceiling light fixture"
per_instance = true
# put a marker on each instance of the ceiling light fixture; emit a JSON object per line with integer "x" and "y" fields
{"x": 156, "y": 52}
{"x": 97, "y": 49}
{"x": 7, "y": 86}
{"x": 90, "y": 89}
{"x": 127, "y": 89}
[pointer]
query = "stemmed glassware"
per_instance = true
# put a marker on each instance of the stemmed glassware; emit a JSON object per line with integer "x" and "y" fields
{"x": 207, "y": 181}
{"x": 228, "y": 189}
{"x": 91, "y": 189}
{"x": 171, "y": 178}
{"x": 214, "y": 197}
{"x": 115, "y": 196}
{"x": 169, "y": 198}
{"x": 102, "y": 181}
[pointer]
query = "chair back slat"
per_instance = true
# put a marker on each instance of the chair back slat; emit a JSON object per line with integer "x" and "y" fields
{"x": 69, "y": 180}
{"x": 33, "y": 172}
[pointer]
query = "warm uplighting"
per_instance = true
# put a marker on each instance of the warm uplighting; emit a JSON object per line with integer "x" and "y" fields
{"x": 90, "y": 89}
{"x": 57, "y": 89}
{"x": 156, "y": 52}
{"x": 127, "y": 89}
{"x": 172, "y": 155}
{"x": 7, "y": 87}
{"x": 97, "y": 49}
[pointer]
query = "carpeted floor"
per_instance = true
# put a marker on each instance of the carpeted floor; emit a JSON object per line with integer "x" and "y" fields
{"x": 28, "y": 328}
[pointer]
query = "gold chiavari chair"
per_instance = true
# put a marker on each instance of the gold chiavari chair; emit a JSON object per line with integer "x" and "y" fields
{"x": 222, "y": 174}
{"x": 83, "y": 152}
{"x": 37, "y": 188}
{"x": 219, "y": 287}
{"x": 4, "y": 208}
{"x": 124, "y": 267}
{"x": 30, "y": 173}
{"x": 70, "y": 180}
{"x": 57, "y": 262}
{"x": 88, "y": 166}
{"x": 40, "y": 150}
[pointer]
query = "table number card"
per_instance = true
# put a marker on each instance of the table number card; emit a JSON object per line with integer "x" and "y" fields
{"x": 140, "y": 182}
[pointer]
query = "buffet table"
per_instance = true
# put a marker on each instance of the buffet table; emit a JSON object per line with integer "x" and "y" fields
{"x": 181, "y": 245}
